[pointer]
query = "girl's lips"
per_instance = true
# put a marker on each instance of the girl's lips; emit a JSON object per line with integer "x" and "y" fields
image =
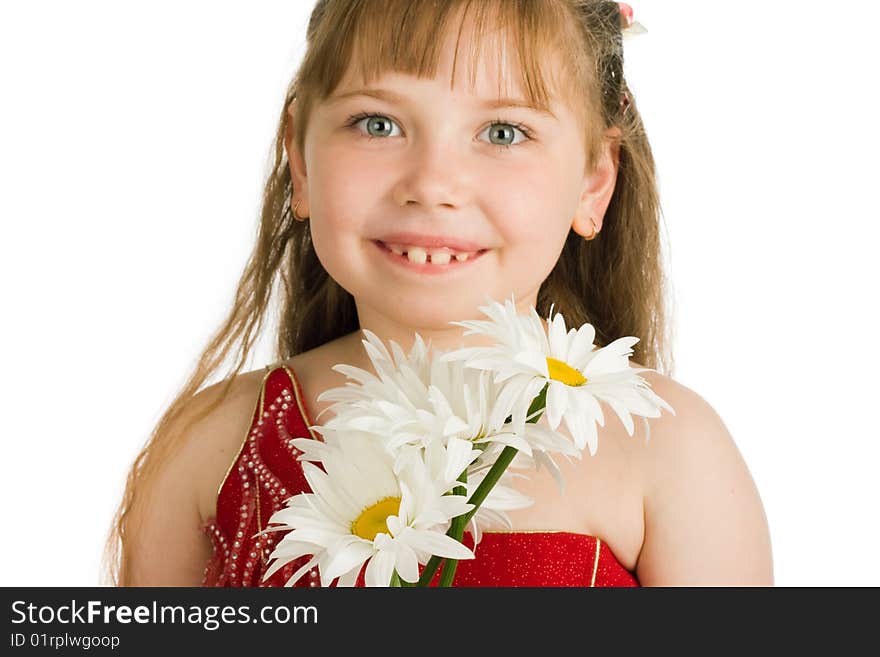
{"x": 427, "y": 267}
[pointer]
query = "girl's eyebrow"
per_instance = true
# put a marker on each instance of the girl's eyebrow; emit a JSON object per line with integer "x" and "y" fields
{"x": 392, "y": 97}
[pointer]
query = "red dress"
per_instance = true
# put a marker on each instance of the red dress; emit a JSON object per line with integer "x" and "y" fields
{"x": 265, "y": 472}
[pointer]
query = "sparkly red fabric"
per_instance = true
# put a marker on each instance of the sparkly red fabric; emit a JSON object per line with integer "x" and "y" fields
{"x": 265, "y": 472}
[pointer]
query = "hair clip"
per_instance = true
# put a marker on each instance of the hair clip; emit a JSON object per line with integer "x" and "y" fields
{"x": 631, "y": 28}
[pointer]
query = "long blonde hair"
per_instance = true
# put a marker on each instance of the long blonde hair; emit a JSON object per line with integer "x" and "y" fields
{"x": 616, "y": 281}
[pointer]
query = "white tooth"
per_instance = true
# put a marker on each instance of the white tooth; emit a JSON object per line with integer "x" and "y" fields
{"x": 395, "y": 248}
{"x": 417, "y": 255}
{"x": 461, "y": 257}
{"x": 440, "y": 257}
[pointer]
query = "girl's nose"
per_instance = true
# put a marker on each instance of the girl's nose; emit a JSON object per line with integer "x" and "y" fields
{"x": 432, "y": 174}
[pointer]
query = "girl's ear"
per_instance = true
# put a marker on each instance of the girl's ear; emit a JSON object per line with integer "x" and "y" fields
{"x": 297, "y": 165}
{"x": 598, "y": 187}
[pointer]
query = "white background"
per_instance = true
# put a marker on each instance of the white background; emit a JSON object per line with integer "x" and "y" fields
{"x": 134, "y": 139}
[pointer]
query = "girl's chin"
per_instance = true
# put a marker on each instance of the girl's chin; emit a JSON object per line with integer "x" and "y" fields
{"x": 431, "y": 310}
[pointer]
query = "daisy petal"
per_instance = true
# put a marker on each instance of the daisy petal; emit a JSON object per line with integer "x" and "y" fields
{"x": 407, "y": 564}
{"x": 349, "y": 579}
{"x": 380, "y": 569}
{"x": 535, "y": 361}
{"x": 439, "y": 544}
{"x": 342, "y": 559}
{"x": 302, "y": 571}
{"x": 557, "y": 402}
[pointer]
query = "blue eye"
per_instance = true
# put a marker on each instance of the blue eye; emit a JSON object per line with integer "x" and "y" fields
{"x": 499, "y": 128}
{"x": 373, "y": 121}
{"x": 379, "y": 125}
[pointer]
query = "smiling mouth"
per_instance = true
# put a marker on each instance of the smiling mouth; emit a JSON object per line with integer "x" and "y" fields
{"x": 428, "y": 259}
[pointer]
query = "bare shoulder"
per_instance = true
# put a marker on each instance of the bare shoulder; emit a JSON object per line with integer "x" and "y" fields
{"x": 166, "y": 546}
{"x": 704, "y": 520}
{"x": 220, "y": 417}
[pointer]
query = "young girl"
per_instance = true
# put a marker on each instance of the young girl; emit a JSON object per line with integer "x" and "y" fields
{"x": 437, "y": 153}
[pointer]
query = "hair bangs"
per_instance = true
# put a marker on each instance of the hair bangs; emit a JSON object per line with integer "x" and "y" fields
{"x": 406, "y": 36}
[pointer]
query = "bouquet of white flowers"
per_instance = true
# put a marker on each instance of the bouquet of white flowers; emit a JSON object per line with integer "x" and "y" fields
{"x": 419, "y": 451}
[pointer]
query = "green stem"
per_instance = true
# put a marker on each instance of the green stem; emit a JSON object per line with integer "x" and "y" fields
{"x": 536, "y": 408}
{"x": 430, "y": 569}
{"x": 455, "y": 531}
{"x": 489, "y": 481}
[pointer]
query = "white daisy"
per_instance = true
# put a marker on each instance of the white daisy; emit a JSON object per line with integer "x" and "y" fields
{"x": 576, "y": 376}
{"x": 418, "y": 400}
{"x": 399, "y": 377}
{"x": 360, "y": 511}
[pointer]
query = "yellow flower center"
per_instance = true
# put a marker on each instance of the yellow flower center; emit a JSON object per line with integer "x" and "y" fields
{"x": 373, "y": 519}
{"x": 564, "y": 373}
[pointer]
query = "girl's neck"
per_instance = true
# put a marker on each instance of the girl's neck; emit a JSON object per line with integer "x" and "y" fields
{"x": 350, "y": 350}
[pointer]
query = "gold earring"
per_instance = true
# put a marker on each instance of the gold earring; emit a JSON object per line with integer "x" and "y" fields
{"x": 295, "y": 215}
{"x": 594, "y": 233}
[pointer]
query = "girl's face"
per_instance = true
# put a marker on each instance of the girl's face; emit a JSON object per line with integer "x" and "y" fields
{"x": 423, "y": 199}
